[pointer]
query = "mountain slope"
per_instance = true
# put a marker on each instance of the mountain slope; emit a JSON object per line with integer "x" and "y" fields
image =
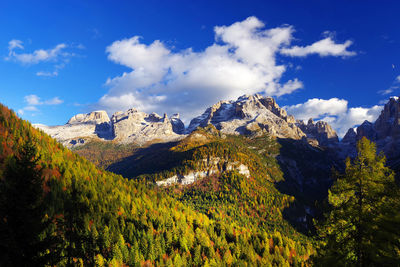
{"x": 248, "y": 114}
{"x": 131, "y": 126}
{"x": 128, "y": 222}
{"x": 385, "y": 132}
{"x": 268, "y": 165}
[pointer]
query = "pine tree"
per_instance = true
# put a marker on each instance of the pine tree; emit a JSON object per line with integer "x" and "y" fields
{"x": 79, "y": 242}
{"x": 25, "y": 229}
{"x": 358, "y": 227}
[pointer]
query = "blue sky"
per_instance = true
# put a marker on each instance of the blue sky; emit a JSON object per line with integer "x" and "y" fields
{"x": 332, "y": 60}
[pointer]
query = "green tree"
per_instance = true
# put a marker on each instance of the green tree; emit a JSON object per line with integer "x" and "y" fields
{"x": 25, "y": 230}
{"x": 74, "y": 227}
{"x": 359, "y": 229}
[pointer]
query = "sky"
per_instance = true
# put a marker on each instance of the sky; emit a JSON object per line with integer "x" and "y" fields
{"x": 338, "y": 61}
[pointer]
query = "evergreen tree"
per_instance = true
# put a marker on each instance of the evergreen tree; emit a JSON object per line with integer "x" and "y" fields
{"x": 25, "y": 230}
{"x": 360, "y": 228}
{"x": 79, "y": 242}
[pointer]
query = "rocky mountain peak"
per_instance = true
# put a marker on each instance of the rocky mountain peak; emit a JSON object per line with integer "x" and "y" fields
{"x": 124, "y": 127}
{"x": 249, "y": 114}
{"x": 140, "y": 127}
{"x": 350, "y": 137}
{"x": 258, "y": 114}
{"x": 320, "y": 131}
{"x": 385, "y": 131}
{"x": 95, "y": 117}
{"x": 177, "y": 125}
{"x": 388, "y": 123}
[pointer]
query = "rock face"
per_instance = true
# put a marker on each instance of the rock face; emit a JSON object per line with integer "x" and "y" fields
{"x": 256, "y": 113}
{"x": 124, "y": 127}
{"x": 320, "y": 131}
{"x": 385, "y": 131}
{"x": 95, "y": 117}
{"x": 211, "y": 167}
{"x": 350, "y": 137}
{"x": 95, "y": 124}
{"x": 177, "y": 125}
{"x": 139, "y": 127}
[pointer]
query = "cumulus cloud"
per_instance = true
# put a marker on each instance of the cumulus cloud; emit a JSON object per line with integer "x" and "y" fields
{"x": 315, "y": 108}
{"x": 242, "y": 60}
{"x": 323, "y": 48}
{"x": 335, "y": 111}
{"x": 32, "y": 101}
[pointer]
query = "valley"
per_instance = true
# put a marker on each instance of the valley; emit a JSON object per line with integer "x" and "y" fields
{"x": 244, "y": 183}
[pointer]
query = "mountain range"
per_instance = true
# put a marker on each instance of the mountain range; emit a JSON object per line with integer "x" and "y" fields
{"x": 254, "y": 177}
{"x": 249, "y": 114}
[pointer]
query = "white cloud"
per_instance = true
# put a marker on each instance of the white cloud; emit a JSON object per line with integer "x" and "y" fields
{"x": 323, "y": 48}
{"x": 392, "y": 88}
{"x": 37, "y": 55}
{"x": 33, "y": 101}
{"x": 316, "y": 108}
{"x": 336, "y": 112}
{"x": 388, "y": 91}
{"x": 57, "y": 56}
{"x": 47, "y": 73}
{"x": 53, "y": 101}
{"x": 242, "y": 60}
{"x": 13, "y": 44}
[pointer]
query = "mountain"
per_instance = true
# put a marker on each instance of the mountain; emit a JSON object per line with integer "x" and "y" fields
{"x": 385, "y": 132}
{"x": 249, "y": 114}
{"x": 131, "y": 126}
{"x": 240, "y": 186}
{"x": 249, "y": 135}
{"x": 100, "y": 218}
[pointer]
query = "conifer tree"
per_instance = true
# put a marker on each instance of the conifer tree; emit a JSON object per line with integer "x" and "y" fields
{"x": 359, "y": 229}
{"x": 79, "y": 242}
{"x": 25, "y": 230}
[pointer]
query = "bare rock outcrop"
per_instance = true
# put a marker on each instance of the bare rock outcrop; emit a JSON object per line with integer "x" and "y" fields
{"x": 385, "y": 131}
{"x": 249, "y": 114}
{"x": 95, "y": 117}
{"x": 131, "y": 126}
{"x": 211, "y": 166}
{"x": 177, "y": 125}
{"x": 320, "y": 131}
{"x": 259, "y": 114}
{"x": 81, "y": 127}
{"x": 139, "y": 127}
{"x": 350, "y": 137}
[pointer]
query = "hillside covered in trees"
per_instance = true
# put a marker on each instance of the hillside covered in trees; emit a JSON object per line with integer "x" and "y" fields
{"x": 57, "y": 208}
{"x": 94, "y": 217}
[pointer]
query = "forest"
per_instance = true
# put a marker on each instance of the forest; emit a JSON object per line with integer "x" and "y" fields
{"x": 57, "y": 208}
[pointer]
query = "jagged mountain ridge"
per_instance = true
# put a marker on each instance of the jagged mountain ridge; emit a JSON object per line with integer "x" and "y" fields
{"x": 259, "y": 114}
{"x": 385, "y": 132}
{"x": 249, "y": 114}
{"x": 131, "y": 126}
